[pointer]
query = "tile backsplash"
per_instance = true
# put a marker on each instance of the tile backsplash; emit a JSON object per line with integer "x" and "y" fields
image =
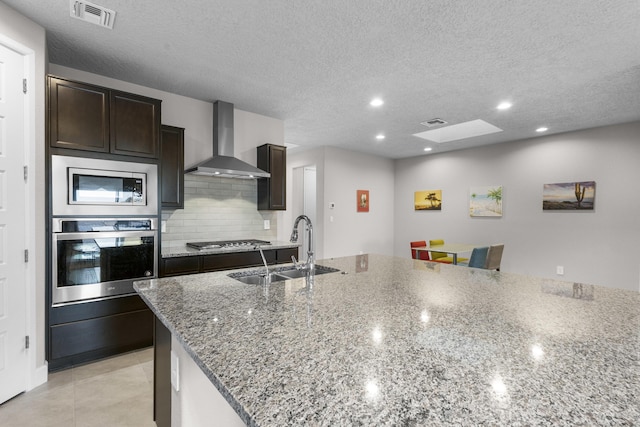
{"x": 217, "y": 209}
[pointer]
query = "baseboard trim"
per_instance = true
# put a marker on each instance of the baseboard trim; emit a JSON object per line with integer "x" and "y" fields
{"x": 38, "y": 376}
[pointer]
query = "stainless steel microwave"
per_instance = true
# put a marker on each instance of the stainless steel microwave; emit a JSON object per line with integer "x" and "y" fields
{"x": 87, "y": 186}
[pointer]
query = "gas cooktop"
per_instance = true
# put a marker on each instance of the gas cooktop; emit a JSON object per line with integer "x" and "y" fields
{"x": 227, "y": 244}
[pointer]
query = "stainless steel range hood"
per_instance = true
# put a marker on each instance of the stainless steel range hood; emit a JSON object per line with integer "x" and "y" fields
{"x": 223, "y": 163}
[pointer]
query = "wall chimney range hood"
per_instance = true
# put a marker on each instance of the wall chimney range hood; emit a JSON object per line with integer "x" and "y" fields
{"x": 223, "y": 163}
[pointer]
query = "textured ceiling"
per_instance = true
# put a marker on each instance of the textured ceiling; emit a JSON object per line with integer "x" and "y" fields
{"x": 567, "y": 65}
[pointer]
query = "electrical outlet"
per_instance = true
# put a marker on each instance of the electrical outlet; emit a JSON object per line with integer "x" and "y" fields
{"x": 175, "y": 371}
{"x": 267, "y": 224}
{"x": 163, "y": 226}
{"x": 559, "y": 270}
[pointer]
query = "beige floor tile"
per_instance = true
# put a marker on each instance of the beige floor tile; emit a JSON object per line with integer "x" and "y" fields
{"x": 105, "y": 365}
{"x": 144, "y": 355}
{"x": 55, "y": 408}
{"x": 111, "y": 387}
{"x": 114, "y": 392}
{"x": 148, "y": 369}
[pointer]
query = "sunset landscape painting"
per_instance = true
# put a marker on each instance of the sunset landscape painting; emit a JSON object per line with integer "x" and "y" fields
{"x": 569, "y": 196}
{"x": 427, "y": 200}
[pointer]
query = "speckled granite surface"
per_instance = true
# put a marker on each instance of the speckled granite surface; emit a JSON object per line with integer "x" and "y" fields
{"x": 168, "y": 252}
{"x": 405, "y": 342}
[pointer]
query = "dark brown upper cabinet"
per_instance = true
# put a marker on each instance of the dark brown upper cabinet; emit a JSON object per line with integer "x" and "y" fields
{"x": 272, "y": 192}
{"x": 93, "y": 118}
{"x": 172, "y": 166}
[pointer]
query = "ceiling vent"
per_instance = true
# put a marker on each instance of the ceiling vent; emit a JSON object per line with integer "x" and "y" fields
{"x": 92, "y": 13}
{"x": 433, "y": 122}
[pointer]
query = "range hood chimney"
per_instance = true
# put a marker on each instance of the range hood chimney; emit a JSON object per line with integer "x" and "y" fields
{"x": 223, "y": 163}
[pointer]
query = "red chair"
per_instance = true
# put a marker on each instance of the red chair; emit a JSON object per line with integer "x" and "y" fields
{"x": 423, "y": 255}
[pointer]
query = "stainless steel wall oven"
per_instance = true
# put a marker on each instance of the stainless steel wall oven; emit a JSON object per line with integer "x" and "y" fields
{"x": 101, "y": 257}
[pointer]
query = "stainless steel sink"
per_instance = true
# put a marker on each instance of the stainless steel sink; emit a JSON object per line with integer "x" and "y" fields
{"x": 277, "y": 274}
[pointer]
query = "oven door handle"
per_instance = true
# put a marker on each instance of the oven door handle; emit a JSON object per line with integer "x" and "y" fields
{"x": 103, "y": 234}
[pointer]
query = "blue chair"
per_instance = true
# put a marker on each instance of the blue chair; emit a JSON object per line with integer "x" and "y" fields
{"x": 478, "y": 258}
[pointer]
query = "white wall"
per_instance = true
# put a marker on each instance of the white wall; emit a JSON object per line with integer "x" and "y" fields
{"x": 352, "y": 232}
{"x": 598, "y": 247}
{"x": 15, "y": 28}
{"x": 339, "y": 174}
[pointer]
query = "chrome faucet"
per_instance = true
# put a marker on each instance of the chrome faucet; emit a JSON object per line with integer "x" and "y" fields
{"x": 267, "y": 276}
{"x": 309, "y": 264}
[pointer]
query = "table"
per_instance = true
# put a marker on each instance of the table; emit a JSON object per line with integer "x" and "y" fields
{"x": 453, "y": 249}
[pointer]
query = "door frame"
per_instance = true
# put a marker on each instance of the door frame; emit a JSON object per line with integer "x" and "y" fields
{"x": 35, "y": 374}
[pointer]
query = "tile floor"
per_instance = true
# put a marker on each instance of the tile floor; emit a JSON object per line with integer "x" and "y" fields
{"x": 112, "y": 392}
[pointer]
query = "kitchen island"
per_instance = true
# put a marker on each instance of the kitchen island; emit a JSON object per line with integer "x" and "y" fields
{"x": 394, "y": 341}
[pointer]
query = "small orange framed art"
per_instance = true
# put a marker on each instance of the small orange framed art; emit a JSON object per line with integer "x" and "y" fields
{"x": 363, "y": 200}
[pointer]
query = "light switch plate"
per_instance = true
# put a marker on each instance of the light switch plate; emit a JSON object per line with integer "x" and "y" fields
{"x": 267, "y": 224}
{"x": 560, "y": 270}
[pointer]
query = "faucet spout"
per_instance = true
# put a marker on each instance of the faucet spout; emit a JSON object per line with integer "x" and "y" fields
{"x": 309, "y": 264}
{"x": 264, "y": 261}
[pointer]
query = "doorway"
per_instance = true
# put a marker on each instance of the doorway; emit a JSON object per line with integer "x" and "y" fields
{"x": 13, "y": 241}
{"x": 304, "y": 202}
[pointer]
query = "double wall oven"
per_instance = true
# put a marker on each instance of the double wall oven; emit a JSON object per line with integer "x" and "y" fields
{"x": 104, "y": 231}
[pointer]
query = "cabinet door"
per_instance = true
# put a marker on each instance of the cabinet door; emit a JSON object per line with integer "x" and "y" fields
{"x": 283, "y": 256}
{"x": 177, "y": 266}
{"x": 219, "y": 262}
{"x": 135, "y": 125}
{"x": 272, "y": 192}
{"x": 78, "y": 115}
{"x": 172, "y": 166}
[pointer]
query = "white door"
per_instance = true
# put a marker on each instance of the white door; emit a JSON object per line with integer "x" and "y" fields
{"x": 13, "y": 319}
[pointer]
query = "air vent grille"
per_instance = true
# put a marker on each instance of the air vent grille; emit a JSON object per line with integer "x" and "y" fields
{"x": 92, "y": 13}
{"x": 433, "y": 122}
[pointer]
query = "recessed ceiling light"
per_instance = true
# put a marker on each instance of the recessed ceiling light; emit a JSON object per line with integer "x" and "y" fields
{"x": 380, "y": 136}
{"x": 542, "y": 129}
{"x": 376, "y": 102}
{"x": 428, "y": 148}
{"x": 504, "y": 105}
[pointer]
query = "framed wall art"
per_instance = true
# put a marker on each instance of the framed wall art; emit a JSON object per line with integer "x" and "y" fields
{"x": 427, "y": 200}
{"x": 569, "y": 196}
{"x": 362, "y": 200}
{"x": 485, "y": 201}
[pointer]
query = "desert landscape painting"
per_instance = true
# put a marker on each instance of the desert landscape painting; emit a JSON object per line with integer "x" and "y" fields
{"x": 485, "y": 201}
{"x": 569, "y": 196}
{"x": 427, "y": 200}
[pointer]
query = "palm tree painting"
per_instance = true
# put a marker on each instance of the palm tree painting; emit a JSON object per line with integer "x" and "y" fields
{"x": 569, "y": 196}
{"x": 427, "y": 200}
{"x": 485, "y": 201}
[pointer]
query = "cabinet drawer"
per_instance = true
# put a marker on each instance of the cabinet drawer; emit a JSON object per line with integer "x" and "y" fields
{"x": 121, "y": 331}
{"x": 235, "y": 260}
{"x": 180, "y": 265}
{"x": 283, "y": 256}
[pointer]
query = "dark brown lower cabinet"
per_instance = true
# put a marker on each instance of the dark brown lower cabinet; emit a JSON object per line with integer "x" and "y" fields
{"x": 81, "y": 333}
{"x": 177, "y": 266}
{"x": 161, "y": 374}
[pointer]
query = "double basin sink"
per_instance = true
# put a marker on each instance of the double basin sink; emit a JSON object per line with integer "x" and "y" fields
{"x": 277, "y": 274}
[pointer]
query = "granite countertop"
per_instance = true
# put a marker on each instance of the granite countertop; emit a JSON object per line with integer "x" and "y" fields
{"x": 184, "y": 250}
{"x": 397, "y": 341}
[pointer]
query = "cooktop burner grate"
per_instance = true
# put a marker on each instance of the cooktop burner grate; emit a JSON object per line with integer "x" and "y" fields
{"x": 227, "y": 244}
